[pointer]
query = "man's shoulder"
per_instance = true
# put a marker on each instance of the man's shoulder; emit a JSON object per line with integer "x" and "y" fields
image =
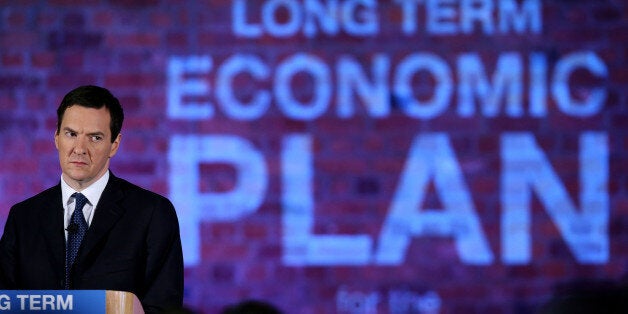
{"x": 133, "y": 190}
{"x": 43, "y": 197}
{"x": 143, "y": 202}
{"x": 34, "y": 205}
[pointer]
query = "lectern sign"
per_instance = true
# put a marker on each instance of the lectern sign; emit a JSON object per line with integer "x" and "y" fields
{"x": 50, "y": 301}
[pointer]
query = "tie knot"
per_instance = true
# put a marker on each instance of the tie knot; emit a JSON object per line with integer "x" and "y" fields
{"x": 80, "y": 199}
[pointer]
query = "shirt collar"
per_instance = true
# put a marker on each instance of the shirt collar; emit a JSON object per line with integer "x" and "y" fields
{"x": 92, "y": 192}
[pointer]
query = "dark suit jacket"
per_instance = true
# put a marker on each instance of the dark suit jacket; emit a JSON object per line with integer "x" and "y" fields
{"x": 133, "y": 244}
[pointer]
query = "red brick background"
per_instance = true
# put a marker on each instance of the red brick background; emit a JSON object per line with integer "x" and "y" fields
{"x": 50, "y": 47}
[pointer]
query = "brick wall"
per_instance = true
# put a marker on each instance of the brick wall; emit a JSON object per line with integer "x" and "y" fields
{"x": 369, "y": 141}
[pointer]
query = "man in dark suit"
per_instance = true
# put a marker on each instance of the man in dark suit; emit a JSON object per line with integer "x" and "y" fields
{"x": 93, "y": 230}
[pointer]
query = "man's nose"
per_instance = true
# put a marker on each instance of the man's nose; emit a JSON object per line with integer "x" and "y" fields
{"x": 80, "y": 144}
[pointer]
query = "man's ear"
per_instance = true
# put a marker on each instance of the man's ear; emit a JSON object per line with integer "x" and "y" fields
{"x": 115, "y": 145}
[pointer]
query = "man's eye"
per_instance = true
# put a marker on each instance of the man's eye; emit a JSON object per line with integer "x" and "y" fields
{"x": 70, "y": 134}
{"x": 96, "y": 138}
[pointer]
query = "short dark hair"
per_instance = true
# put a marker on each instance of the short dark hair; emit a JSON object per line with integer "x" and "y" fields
{"x": 96, "y": 97}
{"x": 251, "y": 307}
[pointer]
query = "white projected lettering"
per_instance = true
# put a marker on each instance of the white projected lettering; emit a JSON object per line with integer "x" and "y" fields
{"x": 501, "y": 94}
{"x": 286, "y": 18}
{"x": 227, "y": 99}
{"x": 314, "y": 68}
{"x": 307, "y": 17}
{"x": 441, "y": 74}
{"x": 186, "y": 155}
{"x": 374, "y": 93}
{"x": 453, "y": 17}
{"x": 507, "y": 83}
{"x": 386, "y": 82}
{"x": 183, "y": 82}
{"x": 565, "y": 67}
{"x": 301, "y": 246}
{"x": 537, "y": 94}
{"x": 525, "y": 169}
{"x": 431, "y": 158}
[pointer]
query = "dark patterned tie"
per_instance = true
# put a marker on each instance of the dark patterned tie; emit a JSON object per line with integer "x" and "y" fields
{"x": 76, "y": 231}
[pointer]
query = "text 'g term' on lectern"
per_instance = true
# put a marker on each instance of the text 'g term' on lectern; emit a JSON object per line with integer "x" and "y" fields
{"x": 70, "y": 301}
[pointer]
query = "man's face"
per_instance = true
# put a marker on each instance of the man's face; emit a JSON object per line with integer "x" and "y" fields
{"x": 84, "y": 145}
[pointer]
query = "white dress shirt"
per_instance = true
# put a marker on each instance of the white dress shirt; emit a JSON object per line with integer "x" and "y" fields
{"x": 92, "y": 193}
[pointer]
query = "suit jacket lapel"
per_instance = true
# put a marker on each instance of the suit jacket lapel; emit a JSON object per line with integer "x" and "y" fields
{"x": 106, "y": 214}
{"x": 51, "y": 222}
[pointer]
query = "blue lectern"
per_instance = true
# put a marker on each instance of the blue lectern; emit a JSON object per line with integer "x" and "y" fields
{"x": 69, "y": 301}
